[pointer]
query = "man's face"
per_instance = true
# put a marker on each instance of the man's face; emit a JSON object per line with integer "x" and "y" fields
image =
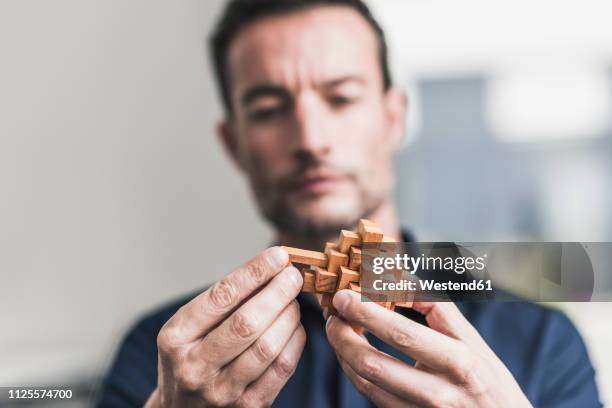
{"x": 312, "y": 127}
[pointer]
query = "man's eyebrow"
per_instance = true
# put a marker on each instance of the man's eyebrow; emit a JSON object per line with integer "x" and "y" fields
{"x": 339, "y": 81}
{"x": 262, "y": 90}
{"x": 258, "y": 91}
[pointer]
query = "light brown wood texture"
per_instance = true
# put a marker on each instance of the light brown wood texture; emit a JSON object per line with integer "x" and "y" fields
{"x": 325, "y": 299}
{"x": 330, "y": 245}
{"x": 354, "y": 258}
{"x": 325, "y": 281}
{"x": 386, "y": 305}
{"x": 347, "y": 240}
{"x": 326, "y": 302}
{"x": 335, "y": 260}
{"x": 345, "y": 277}
{"x": 306, "y": 257}
{"x": 338, "y": 267}
{"x": 309, "y": 281}
{"x": 369, "y": 232}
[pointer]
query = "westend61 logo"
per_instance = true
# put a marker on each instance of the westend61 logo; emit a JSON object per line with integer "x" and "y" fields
{"x": 412, "y": 264}
{"x": 500, "y": 271}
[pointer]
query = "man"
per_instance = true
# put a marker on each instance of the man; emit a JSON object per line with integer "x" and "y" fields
{"x": 313, "y": 120}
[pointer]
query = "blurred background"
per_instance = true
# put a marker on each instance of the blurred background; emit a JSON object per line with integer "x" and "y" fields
{"x": 116, "y": 196}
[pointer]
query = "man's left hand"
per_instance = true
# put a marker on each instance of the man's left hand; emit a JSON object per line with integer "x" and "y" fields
{"x": 455, "y": 367}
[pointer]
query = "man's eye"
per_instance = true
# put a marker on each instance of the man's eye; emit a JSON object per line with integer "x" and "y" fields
{"x": 339, "y": 101}
{"x": 264, "y": 114}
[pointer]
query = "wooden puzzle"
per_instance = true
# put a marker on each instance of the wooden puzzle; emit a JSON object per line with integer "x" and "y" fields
{"x": 339, "y": 267}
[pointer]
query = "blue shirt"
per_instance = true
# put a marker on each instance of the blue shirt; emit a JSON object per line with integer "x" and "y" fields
{"x": 540, "y": 346}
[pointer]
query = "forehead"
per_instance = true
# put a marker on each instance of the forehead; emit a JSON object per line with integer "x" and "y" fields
{"x": 304, "y": 48}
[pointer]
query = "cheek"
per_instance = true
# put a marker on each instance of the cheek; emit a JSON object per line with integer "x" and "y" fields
{"x": 367, "y": 144}
{"x": 263, "y": 154}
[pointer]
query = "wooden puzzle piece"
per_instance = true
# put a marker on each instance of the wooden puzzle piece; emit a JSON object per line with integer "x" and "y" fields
{"x": 338, "y": 267}
{"x": 355, "y": 287}
{"x": 309, "y": 281}
{"x": 325, "y": 299}
{"x": 386, "y": 305}
{"x": 347, "y": 276}
{"x": 355, "y": 258}
{"x": 335, "y": 260}
{"x": 306, "y": 257}
{"x": 330, "y": 245}
{"x": 347, "y": 240}
{"x": 325, "y": 281}
{"x": 369, "y": 232}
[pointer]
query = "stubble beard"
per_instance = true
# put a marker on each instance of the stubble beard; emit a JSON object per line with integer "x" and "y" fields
{"x": 284, "y": 217}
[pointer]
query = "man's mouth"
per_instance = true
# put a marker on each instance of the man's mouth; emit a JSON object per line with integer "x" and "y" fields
{"x": 317, "y": 183}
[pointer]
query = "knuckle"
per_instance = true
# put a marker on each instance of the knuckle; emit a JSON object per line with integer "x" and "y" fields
{"x": 370, "y": 367}
{"x": 217, "y": 399}
{"x": 283, "y": 366}
{"x": 187, "y": 379}
{"x": 226, "y": 395}
{"x": 264, "y": 350}
{"x": 445, "y": 397}
{"x": 467, "y": 377}
{"x": 168, "y": 338}
{"x": 219, "y": 394}
{"x": 243, "y": 403}
{"x": 256, "y": 272}
{"x": 249, "y": 401}
{"x": 464, "y": 367}
{"x": 222, "y": 294}
{"x": 401, "y": 336}
{"x": 366, "y": 388}
{"x": 243, "y": 325}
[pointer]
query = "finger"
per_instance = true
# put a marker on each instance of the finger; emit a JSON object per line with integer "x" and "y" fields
{"x": 263, "y": 391}
{"x": 371, "y": 391}
{"x": 251, "y": 364}
{"x": 446, "y": 318}
{"x": 205, "y": 311}
{"x": 438, "y": 351}
{"x": 420, "y": 366}
{"x": 388, "y": 373}
{"x": 236, "y": 333}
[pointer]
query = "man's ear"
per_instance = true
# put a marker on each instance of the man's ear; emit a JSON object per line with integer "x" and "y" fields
{"x": 229, "y": 139}
{"x": 396, "y": 103}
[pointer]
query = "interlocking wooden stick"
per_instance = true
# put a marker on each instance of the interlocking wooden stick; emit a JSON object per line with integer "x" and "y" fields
{"x": 339, "y": 266}
{"x": 306, "y": 257}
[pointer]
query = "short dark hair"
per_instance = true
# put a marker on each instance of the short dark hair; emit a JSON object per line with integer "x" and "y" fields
{"x": 240, "y": 13}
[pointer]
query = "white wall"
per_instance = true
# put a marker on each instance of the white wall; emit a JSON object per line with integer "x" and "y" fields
{"x": 114, "y": 193}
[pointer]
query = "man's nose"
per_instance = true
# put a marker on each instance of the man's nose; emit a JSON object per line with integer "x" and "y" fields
{"x": 311, "y": 131}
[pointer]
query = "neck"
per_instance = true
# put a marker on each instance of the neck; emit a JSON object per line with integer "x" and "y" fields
{"x": 385, "y": 216}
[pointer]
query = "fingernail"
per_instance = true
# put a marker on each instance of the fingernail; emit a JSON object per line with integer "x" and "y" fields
{"x": 277, "y": 257}
{"x": 341, "y": 300}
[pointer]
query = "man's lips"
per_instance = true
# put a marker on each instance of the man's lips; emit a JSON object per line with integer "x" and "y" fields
{"x": 315, "y": 184}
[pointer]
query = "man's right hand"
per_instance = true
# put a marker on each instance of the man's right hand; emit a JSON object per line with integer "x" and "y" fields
{"x": 237, "y": 343}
